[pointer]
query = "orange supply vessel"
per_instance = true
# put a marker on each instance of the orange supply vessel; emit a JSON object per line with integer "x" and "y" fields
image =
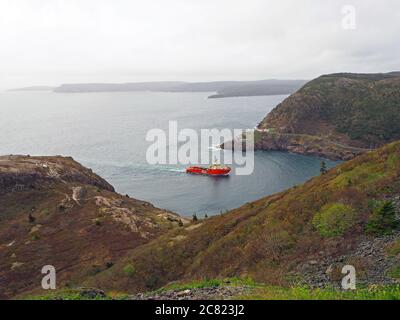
{"x": 213, "y": 170}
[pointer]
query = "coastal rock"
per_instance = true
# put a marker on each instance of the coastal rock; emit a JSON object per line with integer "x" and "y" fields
{"x": 19, "y": 173}
{"x": 91, "y": 293}
{"x": 312, "y": 122}
{"x": 208, "y": 293}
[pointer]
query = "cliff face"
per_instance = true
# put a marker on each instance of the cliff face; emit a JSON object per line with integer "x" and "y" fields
{"x": 53, "y": 211}
{"x": 24, "y": 172}
{"x": 306, "y": 144}
{"x": 337, "y": 116}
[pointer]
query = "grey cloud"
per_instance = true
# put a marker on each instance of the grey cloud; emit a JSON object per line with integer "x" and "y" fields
{"x": 56, "y": 41}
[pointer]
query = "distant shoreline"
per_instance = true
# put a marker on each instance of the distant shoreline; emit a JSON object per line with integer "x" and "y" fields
{"x": 34, "y": 88}
{"x": 222, "y": 89}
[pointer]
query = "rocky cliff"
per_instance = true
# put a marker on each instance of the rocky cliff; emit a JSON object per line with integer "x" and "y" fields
{"x": 25, "y": 172}
{"x": 54, "y": 211}
{"x": 338, "y": 116}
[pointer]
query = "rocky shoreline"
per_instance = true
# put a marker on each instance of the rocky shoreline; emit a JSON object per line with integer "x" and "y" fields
{"x": 306, "y": 144}
{"x": 301, "y": 144}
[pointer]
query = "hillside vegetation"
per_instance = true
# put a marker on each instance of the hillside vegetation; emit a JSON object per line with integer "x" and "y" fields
{"x": 53, "y": 211}
{"x": 228, "y": 289}
{"x": 303, "y": 235}
{"x": 337, "y": 115}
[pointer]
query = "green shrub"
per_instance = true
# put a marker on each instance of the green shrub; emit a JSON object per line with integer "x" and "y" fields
{"x": 393, "y": 249}
{"x": 334, "y": 219}
{"x": 129, "y": 270}
{"x": 383, "y": 219}
{"x": 395, "y": 272}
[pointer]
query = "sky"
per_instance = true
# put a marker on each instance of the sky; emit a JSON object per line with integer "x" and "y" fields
{"x": 49, "y": 42}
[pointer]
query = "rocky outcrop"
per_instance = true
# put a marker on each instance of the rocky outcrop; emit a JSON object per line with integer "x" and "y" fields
{"x": 19, "y": 172}
{"x": 336, "y": 116}
{"x": 306, "y": 144}
{"x": 54, "y": 211}
{"x": 371, "y": 259}
{"x": 319, "y": 146}
{"x": 372, "y": 264}
{"x": 208, "y": 293}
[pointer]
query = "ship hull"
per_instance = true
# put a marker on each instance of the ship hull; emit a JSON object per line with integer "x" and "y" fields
{"x": 208, "y": 171}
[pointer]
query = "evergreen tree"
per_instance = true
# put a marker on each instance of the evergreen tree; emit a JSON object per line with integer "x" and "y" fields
{"x": 323, "y": 169}
{"x": 206, "y": 216}
{"x": 383, "y": 219}
{"x": 194, "y": 219}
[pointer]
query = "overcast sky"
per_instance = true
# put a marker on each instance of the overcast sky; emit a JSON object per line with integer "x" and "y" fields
{"x": 63, "y": 41}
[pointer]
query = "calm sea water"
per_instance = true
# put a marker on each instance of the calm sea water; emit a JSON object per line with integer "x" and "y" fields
{"x": 106, "y": 131}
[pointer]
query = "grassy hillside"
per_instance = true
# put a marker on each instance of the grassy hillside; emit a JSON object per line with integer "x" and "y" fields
{"x": 351, "y": 110}
{"x": 227, "y": 289}
{"x": 303, "y": 235}
{"x": 53, "y": 211}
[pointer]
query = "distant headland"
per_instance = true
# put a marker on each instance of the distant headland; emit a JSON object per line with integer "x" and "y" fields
{"x": 222, "y": 89}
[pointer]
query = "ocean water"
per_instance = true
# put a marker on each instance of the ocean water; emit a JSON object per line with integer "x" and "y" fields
{"x": 106, "y": 132}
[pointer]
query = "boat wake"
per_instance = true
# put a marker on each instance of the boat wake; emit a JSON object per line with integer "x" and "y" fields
{"x": 215, "y": 147}
{"x": 176, "y": 170}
